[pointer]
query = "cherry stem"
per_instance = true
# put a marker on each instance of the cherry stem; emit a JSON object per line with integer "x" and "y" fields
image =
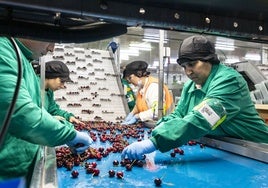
{"x": 79, "y": 157}
{"x": 133, "y": 162}
{"x": 163, "y": 175}
{"x": 104, "y": 175}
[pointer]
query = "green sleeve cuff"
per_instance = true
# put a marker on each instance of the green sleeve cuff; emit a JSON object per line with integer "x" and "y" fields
{"x": 154, "y": 142}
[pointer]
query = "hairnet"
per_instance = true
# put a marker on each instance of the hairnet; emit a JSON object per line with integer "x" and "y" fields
{"x": 138, "y": 68}
{"x": 197, "y": 47}
{"x": 55, "y": 69}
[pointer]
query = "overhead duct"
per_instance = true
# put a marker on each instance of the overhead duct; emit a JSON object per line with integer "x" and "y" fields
{"x": 42, "y": 23}
{"x": 227, "y": 19}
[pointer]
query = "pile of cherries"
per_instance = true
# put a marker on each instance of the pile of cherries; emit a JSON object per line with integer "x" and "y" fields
{"x": 117, "y": 135}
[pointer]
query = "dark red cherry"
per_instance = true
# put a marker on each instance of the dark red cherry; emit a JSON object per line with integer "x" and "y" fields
{"x": 157, "y": 181}
{"x": 111, "y": 173}
{"x": 96, "y": 172}
{"x": 128, "y": 167}
{"x": 75, "y": 173}
{"x": 120, "y": 174}
{"x": 115, "y": 162}
{"x": 173, "y": 154}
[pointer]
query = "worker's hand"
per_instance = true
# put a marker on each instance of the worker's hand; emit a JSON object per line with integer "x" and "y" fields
{"x": 81, "y": 142}
{"x": 129, "y": 117}
{"x": 137, "y": 150}
{"x": 76, "y": 121}
{"x": 131, "y": 121}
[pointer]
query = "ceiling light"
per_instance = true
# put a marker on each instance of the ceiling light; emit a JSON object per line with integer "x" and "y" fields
{"x": 224, "y": 44}
{"x": 124, "y": 57}
{"x": 132, "y": 52}
{"x": 224, "y": 47}
{"x": 154, "y": 40}
{"x": 155, "y": 63}
{"x": 253, "y": 57}
{"x": 141, "y": 46}
{"x": 231, "y": 60}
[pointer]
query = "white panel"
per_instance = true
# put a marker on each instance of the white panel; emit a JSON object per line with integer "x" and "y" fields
{"x": 93, "y": 73}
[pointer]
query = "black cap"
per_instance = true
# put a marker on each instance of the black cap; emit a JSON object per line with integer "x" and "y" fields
{"x": 197, "y": 47}
{"x": 137, "y": 68}
{"x": 57, "y": 69}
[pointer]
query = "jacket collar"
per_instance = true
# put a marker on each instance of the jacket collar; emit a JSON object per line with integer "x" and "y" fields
{"x": 26, "y": 51}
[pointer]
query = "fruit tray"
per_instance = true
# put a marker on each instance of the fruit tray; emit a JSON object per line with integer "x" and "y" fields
{"x": 191, "y": 165}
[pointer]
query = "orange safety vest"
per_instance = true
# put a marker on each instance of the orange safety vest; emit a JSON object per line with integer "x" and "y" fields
{"x": 141, "y": 102}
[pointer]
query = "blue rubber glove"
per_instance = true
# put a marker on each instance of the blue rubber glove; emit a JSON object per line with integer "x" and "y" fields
{"x": 129, "y": 117}
{"x": 80, "y": 143}
{"x": 131, "y": 121}
{"x": 137, "y": 150}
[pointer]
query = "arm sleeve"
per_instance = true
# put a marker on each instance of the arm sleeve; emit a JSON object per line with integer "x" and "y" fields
{"x": 176, "y": 131}
{"x": 29, "y": 121}
{"x": 54, "y": 109}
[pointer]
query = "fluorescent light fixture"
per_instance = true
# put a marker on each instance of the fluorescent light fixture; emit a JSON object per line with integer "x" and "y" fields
{"x": 124, "y": 54}
{"x": 130, "y": 52}
{"x": 155, "y": 63}
{"x": 231, "y": 60}
{"x": 224, "y": 44}
{"x": 253, "y": 57}
{"x": 124, "y": 57}
{"x": 224, "y": 41}
{"x": 225, "y": 48}
{"x": 154, "y": 40}
{"x": 144, "y": 46}
{"x": 140, "y": 48}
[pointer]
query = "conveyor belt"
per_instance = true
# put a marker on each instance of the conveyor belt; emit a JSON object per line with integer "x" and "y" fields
{"x": 257, "y": 151}
{"x": 198, "y": 167}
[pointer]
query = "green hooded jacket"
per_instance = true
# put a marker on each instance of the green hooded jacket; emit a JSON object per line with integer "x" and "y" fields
{"x": 31, "y": 125}
{"x": 130, "y": 96}
{"x": 53, "y": 108}
{"x": 229, "y": 87}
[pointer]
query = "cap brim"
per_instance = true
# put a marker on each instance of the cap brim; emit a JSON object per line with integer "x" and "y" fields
{"x": 209, "y": 57}
{"x": 66, "y": 79}
{"x": 127, "y": 73}
{"x": 181, "y": 61}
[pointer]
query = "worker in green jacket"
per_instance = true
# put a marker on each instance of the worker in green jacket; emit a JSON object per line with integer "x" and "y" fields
{"x": 31, "y": 125}
{"x": 56, "y": 75}
{"x": 130, "y": 96}
{"x": 215, "y": 101}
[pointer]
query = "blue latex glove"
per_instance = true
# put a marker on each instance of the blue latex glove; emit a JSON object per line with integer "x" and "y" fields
{"x": 129, "y": 117}
{"x": 137, "y": 150}
{"x": 80, "y": 143}
{"x": 131, "y": 121}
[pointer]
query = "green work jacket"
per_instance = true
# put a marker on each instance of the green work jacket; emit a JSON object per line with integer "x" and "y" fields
{"x": 53, "y": 108}
{"x": 185, "y": 123}
{"x": 130, "y": 96}
{"x": 31, "y": 125}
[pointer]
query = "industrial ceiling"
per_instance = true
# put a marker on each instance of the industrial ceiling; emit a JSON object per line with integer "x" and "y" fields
{"x": 91, "y": 20}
